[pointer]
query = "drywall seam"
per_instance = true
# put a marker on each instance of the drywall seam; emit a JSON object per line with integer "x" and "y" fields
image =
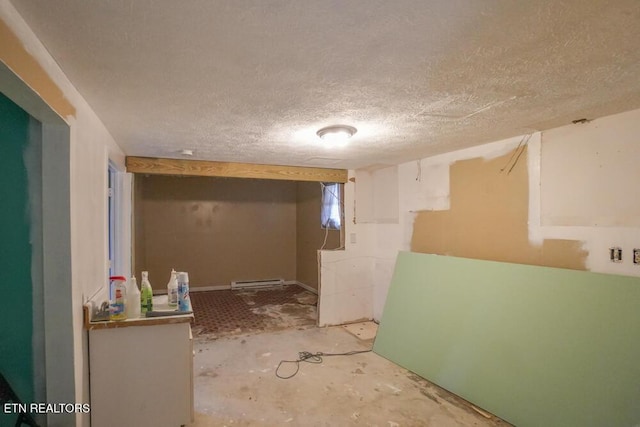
{"x": 533, "y": 164}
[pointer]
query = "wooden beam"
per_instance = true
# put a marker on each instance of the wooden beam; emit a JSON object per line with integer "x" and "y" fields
{"x": 160, "y": 166}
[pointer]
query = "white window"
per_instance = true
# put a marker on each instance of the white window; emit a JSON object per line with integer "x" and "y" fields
{"x": 331, "y": 212}
{"x": 113, "y": 244}
{"x": 119, "y": 221}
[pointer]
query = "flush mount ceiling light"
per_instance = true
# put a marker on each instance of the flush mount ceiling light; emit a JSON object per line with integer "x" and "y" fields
{"x": 336, "y": 133}
{"x": 186, "y": 152}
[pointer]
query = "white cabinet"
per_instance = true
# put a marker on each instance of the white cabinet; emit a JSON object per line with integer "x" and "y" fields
{"x": 141, "y": 373}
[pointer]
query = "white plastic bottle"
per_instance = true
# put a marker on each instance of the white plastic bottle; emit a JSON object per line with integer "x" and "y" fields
{"x": 146, "y": 294}
{"x": 184, "y": 304}
{"x": 172, "y": 289}
{"x": 117, "y": 311}
{"x": 133, "y": 299}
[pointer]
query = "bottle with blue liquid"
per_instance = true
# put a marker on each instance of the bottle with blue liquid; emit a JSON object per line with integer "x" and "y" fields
{"x": 184, "y": 304}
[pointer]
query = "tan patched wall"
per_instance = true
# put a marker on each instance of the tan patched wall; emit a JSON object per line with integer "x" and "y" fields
{"x": 488, "y": 218}
{"x": 217, "y": 229}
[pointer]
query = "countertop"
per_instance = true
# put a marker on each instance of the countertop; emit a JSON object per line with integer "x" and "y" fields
{"x": 159, "y": 304}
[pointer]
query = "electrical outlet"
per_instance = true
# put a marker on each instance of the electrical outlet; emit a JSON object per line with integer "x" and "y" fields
{"x": 636, "y": 256}
{"x": 615, "y": 254}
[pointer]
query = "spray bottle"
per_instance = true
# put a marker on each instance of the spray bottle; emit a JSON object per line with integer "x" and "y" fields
{"x": 172, "y": 289}
{"x": 146, "y": 294}
{"x": 119, "y": 295}
{"x": 184, "y": 304}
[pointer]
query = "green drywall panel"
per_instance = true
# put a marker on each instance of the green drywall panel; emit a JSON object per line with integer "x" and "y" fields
{"x": 536, "y": 346}
{"x": 16, "y": 330}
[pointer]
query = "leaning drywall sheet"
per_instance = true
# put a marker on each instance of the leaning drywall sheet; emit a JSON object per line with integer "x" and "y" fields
{"x": 534, "y": 345}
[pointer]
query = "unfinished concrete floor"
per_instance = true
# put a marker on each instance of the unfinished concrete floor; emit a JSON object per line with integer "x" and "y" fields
{"x": 231, "y": 312}
{"x": 235, "y": 385}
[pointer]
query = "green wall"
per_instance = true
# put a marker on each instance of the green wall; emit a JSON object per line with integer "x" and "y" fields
{"x": 536, "y": 346}
{"x": 16, "y": 314}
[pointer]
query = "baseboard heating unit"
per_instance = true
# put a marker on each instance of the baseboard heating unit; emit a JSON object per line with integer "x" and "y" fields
{"x": 256, "y": 284}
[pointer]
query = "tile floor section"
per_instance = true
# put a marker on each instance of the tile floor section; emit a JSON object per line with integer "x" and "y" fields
{"x": 231, "y": 312}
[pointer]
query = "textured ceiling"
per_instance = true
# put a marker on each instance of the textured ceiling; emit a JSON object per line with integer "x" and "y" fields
{"x": 252, "y": 81}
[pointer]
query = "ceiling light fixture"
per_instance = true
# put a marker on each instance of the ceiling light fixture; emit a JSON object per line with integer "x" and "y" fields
{"x": 336, "y": 133}
{"x": 186, "y": 152}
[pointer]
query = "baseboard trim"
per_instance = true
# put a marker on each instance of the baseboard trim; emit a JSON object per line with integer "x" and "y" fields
{"x": 227, "y": 287}
{"x": 302, "y": 285}
{"x": 209, "y": 288}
